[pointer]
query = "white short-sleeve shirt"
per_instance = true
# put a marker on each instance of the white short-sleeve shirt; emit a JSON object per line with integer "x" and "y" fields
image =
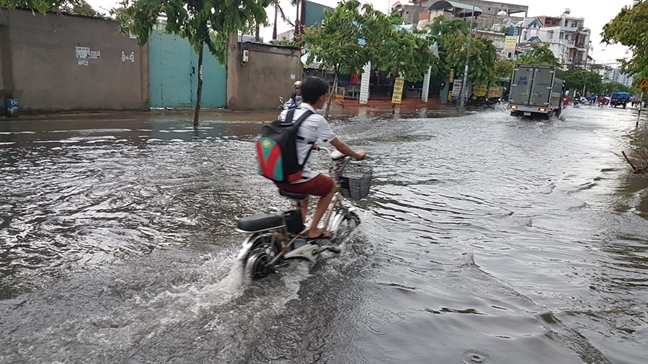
{"x": 314, "y": 128}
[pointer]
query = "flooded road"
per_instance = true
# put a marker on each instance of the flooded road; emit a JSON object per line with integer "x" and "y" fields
{"x": 486, "y": 239}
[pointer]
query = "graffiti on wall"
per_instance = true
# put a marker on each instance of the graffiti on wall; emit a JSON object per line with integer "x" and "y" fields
{"x": 130, "y": 57}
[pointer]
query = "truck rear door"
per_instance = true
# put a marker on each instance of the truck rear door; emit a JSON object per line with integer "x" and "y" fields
{"x": 542, "y": 86}
{"x": 521, "y": 85}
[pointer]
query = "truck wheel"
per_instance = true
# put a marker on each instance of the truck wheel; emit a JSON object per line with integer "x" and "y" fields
{"x": 624, "y": 105}
{"x": 514, "y": 113}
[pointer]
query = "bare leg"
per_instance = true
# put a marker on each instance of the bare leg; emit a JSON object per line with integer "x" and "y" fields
{"x": 322, "y": 205}
{"x": 303, "y": 204}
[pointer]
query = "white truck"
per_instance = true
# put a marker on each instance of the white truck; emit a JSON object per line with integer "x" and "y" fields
{"x": 536, "y": 91}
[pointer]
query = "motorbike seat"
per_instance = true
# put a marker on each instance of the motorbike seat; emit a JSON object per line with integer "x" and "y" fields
{"x": 260, "y": 222}
{"x": 293, "y": 196}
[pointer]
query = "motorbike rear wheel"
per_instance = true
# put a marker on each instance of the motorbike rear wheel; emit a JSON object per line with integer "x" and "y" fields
{"x": 257, "y": 263}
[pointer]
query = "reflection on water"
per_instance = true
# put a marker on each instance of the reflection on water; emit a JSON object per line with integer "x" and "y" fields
{"x": 486, "y": 239}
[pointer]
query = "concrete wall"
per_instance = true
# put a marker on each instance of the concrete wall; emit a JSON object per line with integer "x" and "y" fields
{"x": 269, "y": 73}
{"x": 46, "y": 65}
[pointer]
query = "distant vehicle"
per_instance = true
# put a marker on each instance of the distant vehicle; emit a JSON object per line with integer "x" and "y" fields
{"x": 619, "y": 98}
{"x": 536, "y": 91}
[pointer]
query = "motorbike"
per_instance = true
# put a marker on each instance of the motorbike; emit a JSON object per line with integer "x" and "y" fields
{"x": 286, "y": 105}
{"x": 580, "y": 100}
{"x": 276, "y": 238}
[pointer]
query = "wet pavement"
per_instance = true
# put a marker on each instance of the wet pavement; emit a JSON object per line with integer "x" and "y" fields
{"x": 486, "y": 239}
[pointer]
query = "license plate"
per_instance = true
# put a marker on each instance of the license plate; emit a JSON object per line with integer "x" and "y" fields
{"x": 527, "y": 113}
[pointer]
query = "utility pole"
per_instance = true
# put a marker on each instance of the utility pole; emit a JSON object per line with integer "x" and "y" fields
{"x": 464, "y": 85}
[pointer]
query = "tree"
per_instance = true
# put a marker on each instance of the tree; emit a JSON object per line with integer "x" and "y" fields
{"x": 72, "y": 7}
{"x": 78, "y": 7}
{"x": 539, "y": 55}
{"x": 397, "y": 50}
{"x": 41, "y": 6}
{"x": 503, "y": 68}
{"x": 581, "y": 79}
{"x": 441, "y": 27}
{"x": 201, "y": 22}
{"x": 610, "y": 87}
{"x": 483, "y": 55}
{"x": 336, "y": 43}
{"x": 629, "y": 28}
{"x": 278, "y": 11}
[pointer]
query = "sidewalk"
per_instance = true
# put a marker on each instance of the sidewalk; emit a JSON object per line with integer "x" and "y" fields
{"x": 338, "y": 110}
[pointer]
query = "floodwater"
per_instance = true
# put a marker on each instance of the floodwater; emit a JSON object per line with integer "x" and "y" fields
{"x": 486, "y": 239}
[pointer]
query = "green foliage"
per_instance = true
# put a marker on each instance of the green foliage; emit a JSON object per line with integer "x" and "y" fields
{"x": 72, "y": 7}
{"x": 629, "y": 28}
{"x": 399, "y": 51}
{"x": 539, "y": 55}
{"x": 610, "y": 87}
{"x": 79, "y": 7}
{"x": 452, "y": 39}
{"x": 335, "y": 43}
{"x": 41, "y": 6}
{"x": 202, "y": 22}
{"x": 503, "y": 68}
{"x": 442, "y": 27}
{"x": 580, "y": 78}
{"x": 287, "y": 43}
{"x": 396, "y": 19}
{"x": 483, "y": 55}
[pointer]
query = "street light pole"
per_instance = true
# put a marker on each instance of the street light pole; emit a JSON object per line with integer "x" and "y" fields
{"x": 464, "y": 87}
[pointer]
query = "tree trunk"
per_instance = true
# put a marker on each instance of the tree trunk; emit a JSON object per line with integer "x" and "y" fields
{"x": 274, "y": 27}
{"x": 330, "y": 96}
{"x": 257, "y": 32}
{"x": 200, "y": 84}
{"x": 297, "y": 21}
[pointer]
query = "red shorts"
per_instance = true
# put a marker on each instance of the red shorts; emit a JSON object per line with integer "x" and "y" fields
{"x": 321, "y": 185}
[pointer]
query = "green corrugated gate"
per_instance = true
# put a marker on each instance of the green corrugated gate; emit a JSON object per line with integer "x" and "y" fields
{"x": 173, "y": 72}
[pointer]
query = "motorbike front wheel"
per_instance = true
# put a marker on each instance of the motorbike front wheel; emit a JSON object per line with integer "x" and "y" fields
{"x": 345, "y": 224}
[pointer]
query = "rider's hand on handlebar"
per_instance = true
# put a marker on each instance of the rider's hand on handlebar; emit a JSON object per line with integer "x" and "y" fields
{"x": 361, "y": 155}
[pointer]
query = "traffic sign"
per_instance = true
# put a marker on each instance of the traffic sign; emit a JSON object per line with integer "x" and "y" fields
{"x": 643, "y": 84}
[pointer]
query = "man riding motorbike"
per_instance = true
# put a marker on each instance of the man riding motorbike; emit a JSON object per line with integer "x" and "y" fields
{"x": 296, "y": 97}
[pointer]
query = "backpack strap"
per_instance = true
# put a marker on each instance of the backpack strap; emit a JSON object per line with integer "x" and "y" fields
{"x": 298, "y": 123}
{"x": 289, "y": 116}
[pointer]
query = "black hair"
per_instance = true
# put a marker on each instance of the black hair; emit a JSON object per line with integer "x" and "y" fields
{"x": 312, "y": 89}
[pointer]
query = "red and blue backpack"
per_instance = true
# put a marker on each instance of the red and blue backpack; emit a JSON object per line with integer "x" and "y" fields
{"x": 277, "y": 149}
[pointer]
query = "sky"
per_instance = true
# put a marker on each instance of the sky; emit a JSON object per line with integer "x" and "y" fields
{"x": 597, "y": 13}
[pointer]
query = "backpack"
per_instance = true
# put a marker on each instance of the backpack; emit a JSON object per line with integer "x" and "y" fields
{"x": 277, "y": 149}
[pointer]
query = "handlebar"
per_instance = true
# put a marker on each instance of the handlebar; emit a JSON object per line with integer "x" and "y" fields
{"x": 335, "y": 155}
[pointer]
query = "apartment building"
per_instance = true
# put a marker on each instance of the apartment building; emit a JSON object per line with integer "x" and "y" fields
{"x": 566, "y": 35}
{"x": 615, "y": 75}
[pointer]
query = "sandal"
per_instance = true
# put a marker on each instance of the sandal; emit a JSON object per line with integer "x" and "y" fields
{"x": 322, "y": 235}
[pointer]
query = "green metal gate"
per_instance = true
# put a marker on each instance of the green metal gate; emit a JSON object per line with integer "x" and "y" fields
{"x": 173, "y": 73}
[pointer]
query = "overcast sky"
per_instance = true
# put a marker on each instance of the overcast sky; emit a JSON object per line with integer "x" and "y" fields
{"x": 596, "y": 13}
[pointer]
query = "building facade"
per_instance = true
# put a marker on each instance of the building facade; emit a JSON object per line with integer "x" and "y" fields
{"x": 487, "y": 15}
{"x": 566, "y": 35}
{"x": 615, "y": 75}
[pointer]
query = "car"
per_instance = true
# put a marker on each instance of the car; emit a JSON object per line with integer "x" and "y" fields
{"x": 619, "y": 98}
